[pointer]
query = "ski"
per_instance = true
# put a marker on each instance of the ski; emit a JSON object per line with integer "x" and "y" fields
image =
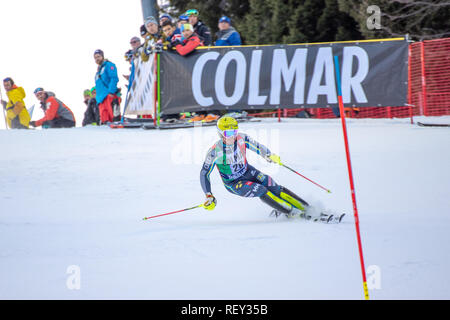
{"x": 421, "y": 124}
{"x": 324, "y": 217}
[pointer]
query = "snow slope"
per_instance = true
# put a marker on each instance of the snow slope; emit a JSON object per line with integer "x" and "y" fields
{"x": 76, "y": 197}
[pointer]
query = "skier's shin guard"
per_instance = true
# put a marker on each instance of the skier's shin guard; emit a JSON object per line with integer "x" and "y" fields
{"x": 276, "y": 203}
{"x": 293, "y": 199}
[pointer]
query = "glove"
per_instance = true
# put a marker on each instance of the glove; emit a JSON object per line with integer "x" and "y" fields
{"x": 33, "y": 124}
{"x": 273, "y": 158}
{"x": 158, "y": 47}
{"x": 4, "y": 103}
{"x": 210, "y": 202}
{"x": 175, "y": 42}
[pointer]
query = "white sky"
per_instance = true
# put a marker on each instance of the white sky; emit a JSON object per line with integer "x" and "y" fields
{"x": 50, "y": 44}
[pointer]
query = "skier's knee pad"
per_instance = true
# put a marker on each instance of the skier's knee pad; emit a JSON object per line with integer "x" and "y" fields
{"x": 276, "y": 202}
{"x": 293, "y": 199}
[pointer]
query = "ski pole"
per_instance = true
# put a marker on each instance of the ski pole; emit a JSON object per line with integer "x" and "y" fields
{"x": 305, "y": 178}
{"x": 165, "y": 214}
{"x": 3, "y": 109}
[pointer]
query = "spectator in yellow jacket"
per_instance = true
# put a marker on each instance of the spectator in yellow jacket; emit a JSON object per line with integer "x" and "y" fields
{"x": 17, "y": 115}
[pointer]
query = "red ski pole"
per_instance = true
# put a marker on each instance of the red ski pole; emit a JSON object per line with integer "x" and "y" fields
{"x": 350, "y": 175}
{"x": 165, "y": 214}
{"x": 306, "y": 178}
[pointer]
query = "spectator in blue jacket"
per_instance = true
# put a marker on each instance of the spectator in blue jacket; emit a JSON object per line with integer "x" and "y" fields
{"x": 106, "y": 80}
{"x": 227, "y": 35}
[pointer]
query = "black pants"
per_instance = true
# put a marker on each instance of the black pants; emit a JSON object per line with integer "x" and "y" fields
{"x": 59, "y": 123}
{"x": 253, "y": 183}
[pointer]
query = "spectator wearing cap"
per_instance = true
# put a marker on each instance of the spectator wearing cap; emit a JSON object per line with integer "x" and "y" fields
{"x": 165, "y": 17}
{"x": 152, "y": 27}
{"x": 57, "y": 114}
{"x": 199, "y": 27}
{"x": 87, "y": 95}
{"x": 17, "y": 115}
{"x": 181, "y": 20}
{"x": 227, "y": 35}
{"x": 190, "y": 40}
{"x": 91, "y": 116}
{"x": 143, "y": 31}
{"x": 106, "y": 80}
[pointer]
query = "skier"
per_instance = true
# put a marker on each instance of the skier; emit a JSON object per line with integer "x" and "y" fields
{"x": 241, "y": 178}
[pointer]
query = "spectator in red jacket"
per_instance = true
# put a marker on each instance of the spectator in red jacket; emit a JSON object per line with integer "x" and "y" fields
{"x": 190, "y": 40}
{"x": 57, "y": 114}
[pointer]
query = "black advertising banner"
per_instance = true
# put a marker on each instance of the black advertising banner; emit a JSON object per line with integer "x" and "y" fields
{"x": 373, "y": 73}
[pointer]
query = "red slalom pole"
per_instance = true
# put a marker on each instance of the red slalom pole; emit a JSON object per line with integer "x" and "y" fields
{"x": 350, "y": 174}
{"x": 306, "y": 178}
{"x": 165, "y": 214}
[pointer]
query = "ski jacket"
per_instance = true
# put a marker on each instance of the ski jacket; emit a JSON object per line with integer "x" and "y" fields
{"x": 231, "y": 160}
{"x": 17, "y": 115}
{"x": 91, "y": 115}
{"x": 54, "y": 108}
{"x": 203, "y": 32}
{"x": 189, "y": 44}
{"x": 229, "y": 37}
{"x": 106, "y": 80}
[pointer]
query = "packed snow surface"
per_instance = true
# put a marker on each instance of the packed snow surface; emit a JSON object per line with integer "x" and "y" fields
{"x": 72, "y": 203}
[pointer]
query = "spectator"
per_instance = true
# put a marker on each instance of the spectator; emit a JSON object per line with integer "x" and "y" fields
{"x": 152, "y": 37}
{"x": 199, "y": 27}
{"x": 129, "y": 56}
{"x": 144, "y": 32}
{"x": 91, "y": 114}
{"x": 168, "y": 30}
{"x": 106, "y": 80}
{"x": 190, "y": 42}
{"x": 135, "y": 43}
{"x": 165, "y": 17}
{"x": 57, "y": 114}
{"x": 181, "y": 20}
{"x": 227, "y": 35}
{"x": 87, "y": 95}
{"x": 17, "y": 115}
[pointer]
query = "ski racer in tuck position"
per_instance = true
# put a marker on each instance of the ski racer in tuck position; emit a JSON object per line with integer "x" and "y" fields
{"x": 240, "y": 178}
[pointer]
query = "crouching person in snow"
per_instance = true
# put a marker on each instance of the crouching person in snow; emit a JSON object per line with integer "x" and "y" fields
{"x": 57, "y": 114}
{"x": 242, "y": 179}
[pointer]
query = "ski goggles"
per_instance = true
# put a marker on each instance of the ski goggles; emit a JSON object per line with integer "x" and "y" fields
{"x": 191, "y": 12}
{"x": 228, "y": 133}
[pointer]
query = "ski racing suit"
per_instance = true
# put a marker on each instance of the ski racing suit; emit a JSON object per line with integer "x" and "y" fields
{"x": 242, "y": 179}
